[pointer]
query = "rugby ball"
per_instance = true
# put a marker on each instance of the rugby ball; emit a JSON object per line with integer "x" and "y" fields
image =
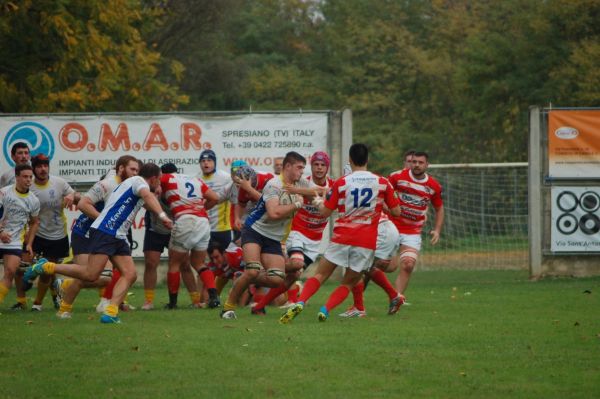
{"x": 285, "y": 198}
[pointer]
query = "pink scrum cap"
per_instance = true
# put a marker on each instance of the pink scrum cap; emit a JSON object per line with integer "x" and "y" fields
{"x": 320, "y": 156}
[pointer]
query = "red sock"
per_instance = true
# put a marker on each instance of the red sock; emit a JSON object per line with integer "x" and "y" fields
{"x": 269, "y": 296}
{"x": 378, "y": 276}
{"x": 173, "y": 279}
{"x": 258, "y": 295}
{"x": 357, "y": 292}
{"x": 311, "y": 286}
{"x": 337, "y": 296}
{"x": 293, "y": 293}
{"x": 208, "y": 278}
{"x": 108, "y": 290}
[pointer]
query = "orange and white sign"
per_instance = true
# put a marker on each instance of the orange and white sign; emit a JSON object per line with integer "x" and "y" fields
{"x": 574, "y": 143}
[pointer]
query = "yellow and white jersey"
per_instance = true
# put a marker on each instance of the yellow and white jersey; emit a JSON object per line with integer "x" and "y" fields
{"x": 220, "y": 215}
{"x": 7, "y": 178}
{"x": 17, "y": 209}
{"x": 53, "y": 222}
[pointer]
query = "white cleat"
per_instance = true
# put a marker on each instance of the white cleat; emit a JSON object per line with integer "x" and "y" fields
{"x": 64, "y": 315}
{"x": 147, "y": 306}
{"x": 228, "y": 315}
{"x": 101, "y": 307}
{"x": 353, "y": 312}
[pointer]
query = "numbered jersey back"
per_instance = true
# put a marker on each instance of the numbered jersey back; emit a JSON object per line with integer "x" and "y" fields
{"x": 183, "y": 194}
{"x": 359, "y": 199}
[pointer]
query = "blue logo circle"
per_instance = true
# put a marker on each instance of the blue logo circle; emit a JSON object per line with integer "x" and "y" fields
{"x": 36, "y": 136}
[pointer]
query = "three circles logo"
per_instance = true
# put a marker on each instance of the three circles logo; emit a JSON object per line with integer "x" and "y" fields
{"x": 573, "y": 205}
{"x": 36, "y": 136}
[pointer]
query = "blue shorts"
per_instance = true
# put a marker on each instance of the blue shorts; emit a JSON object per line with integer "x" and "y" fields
{"x": 10, "y": 251}
{"x": 102, "y": 243}
{"x": 267, "y": 245}
{"x": 222, "y": 237}
{"x": 80, "y": 244}
{"x": 154, "y": 241}
{"x": 51, "y": 249}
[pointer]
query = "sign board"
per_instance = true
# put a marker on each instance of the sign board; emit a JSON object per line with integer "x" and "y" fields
{"x": 574, "y": 143}
{"x": 83, "y": 147}
{"x": 575, "y": 217}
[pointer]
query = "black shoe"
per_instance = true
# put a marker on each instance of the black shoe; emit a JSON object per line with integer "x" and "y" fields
{"x": 171, "y": 306}
{"x": 214, "y": 302}
{"x": 213, "y": 298}
{"x": 259, "y": 312}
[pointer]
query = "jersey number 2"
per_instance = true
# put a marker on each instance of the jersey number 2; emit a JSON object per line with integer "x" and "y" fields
{"x": 190, "y": 193}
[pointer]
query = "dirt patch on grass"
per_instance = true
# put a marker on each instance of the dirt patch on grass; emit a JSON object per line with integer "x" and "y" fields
{"x": 504, "y": 260}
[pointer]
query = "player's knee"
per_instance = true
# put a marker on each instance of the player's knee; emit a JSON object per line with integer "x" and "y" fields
{"x": 130, "y": 276}
{"x": 252, "y": 269}
{"x": 408, "y": 259}
{"x": 293, "y": 275}
{"x": 276, "y": 276}
{"x": 382, "y": 264}
{"x": 296, "y": 261}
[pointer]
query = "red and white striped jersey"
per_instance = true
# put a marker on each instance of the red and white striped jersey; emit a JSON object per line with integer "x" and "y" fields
{"x": 184, "y": 194}
{"x": 415, "y": 196}
{"x": 308, "y": 221}
{"x": 359, "y": 199}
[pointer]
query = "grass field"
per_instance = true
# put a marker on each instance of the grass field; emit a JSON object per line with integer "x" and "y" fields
{"x": 475, "y": 334}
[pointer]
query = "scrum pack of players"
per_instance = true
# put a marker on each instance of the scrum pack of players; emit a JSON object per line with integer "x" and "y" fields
{"x": 261, "y": 229}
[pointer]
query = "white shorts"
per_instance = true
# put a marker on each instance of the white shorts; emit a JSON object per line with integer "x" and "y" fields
{"x": 411, "y": 240}
{"x": 356, "y": 258}
{"x": 297, "y": 241}
{"x": 388, "y": 240}
{"x": 190, "y": 233}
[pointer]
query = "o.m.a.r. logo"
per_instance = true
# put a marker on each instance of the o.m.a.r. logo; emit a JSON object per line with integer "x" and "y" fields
{"x": 36, "y": 136}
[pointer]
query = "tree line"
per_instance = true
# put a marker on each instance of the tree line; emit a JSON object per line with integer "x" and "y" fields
{"x": 453, "y": 77}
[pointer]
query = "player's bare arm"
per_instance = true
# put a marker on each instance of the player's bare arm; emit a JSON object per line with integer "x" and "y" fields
{"x": 246, "y": 185}
{"x": 437, "y": 225}
{"x": 34, "y": 224}
{"x": 211, "y": 199}
{"x": 86, "y": 206}
{"x": 308, "y": 192}
{"x": 277, "y": 211}
{"x": 153, "y": 205}
{"x": 396, "y": 211}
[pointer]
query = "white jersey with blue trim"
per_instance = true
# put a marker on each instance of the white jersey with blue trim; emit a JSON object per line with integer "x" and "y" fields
{"x": 121, "y": 208}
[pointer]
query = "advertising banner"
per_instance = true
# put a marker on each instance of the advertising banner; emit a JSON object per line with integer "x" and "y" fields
{"x": 575, "y": 217}
{"x": 83, "y": 147}
{"x": 574, "y": 143}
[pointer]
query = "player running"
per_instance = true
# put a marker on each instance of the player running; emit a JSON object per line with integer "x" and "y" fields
{"x": 359, "y": 199}
{"x": 416, "y": 190}
{"x": 108, "y": 238}
{"x": 90, "y": 205}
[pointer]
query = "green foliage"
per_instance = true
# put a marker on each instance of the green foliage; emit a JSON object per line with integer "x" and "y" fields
{"x": 73, "y": 55}
{"x": 454, "y": 78}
